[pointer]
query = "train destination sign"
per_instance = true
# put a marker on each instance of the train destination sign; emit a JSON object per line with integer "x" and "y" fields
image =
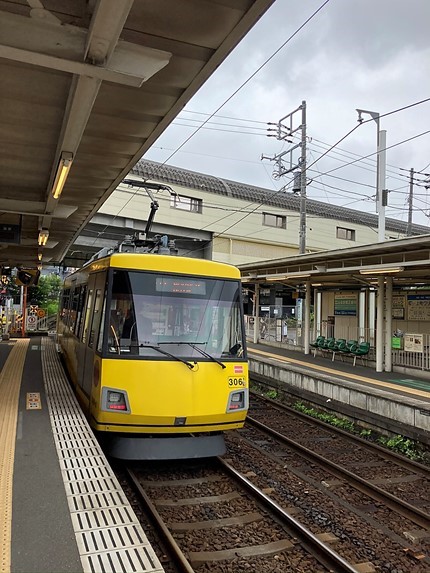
{"x": 180, "y": 285}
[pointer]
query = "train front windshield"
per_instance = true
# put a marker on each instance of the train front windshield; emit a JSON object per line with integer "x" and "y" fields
{"x": 180, "y": 315}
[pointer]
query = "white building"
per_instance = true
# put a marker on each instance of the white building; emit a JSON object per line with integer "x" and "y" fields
{"x": 226, "y": 220}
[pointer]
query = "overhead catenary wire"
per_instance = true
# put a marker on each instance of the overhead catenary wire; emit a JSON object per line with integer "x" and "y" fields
{"x": 247, "y": 81}
{"x": 251, "y": 76}
{"x": 243, "y": 84}
{"x": 325, "y": 145}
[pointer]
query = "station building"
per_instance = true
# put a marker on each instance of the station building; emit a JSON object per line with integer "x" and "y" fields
{"x": 331, "y": 290}
{"x": 225, "y": 220}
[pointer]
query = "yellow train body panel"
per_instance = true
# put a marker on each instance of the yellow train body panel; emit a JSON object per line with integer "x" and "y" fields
{"x": 155, "y": 348}
{"x": 160, "y": 393}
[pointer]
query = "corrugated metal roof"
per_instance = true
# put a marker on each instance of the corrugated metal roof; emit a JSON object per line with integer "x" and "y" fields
{"x": 95, "y": 83}
{"x": 281, "y": 200}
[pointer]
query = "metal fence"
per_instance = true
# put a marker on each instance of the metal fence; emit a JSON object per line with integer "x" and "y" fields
{"x": 283, "y": 330}
{"x": 413, "y": 350}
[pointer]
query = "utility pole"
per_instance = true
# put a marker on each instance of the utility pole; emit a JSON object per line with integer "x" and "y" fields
{"x": 284, "y": 133}
{"x": 381, "y": 192}
{"x": 302, "y": 229}
{"x": 410, "y": 202}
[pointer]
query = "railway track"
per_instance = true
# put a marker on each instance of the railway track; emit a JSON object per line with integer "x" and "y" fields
{"x": 213, "y": 518}
{"x": 378, "y": 472}
{"x": 306, "y": 471}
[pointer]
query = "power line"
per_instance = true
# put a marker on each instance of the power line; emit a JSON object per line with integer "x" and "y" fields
{"x": 242, "y": 86}
{"x": 251, "y": 76}
{"x": 214, "y": 129}
{"x": 219, "y": 123}
{"x": 374, "y": 153}
{"x": 311, "y": 139}
{"x": 367, "y": 121}
{"x": 225, "y": 117}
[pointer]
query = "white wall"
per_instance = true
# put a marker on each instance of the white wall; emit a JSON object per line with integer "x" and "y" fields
{"x": 243, "y": 237}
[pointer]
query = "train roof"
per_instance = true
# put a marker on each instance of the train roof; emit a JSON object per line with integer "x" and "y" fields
{"x": 160, "y": 263}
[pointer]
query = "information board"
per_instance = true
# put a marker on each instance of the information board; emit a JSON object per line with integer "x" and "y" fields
{"x": 414, "y": 342}
{"x": 418, "y": 306}
{"x": 345, "y": 304}
{"x": 398, "y": 306}
{"x": 31, "y": 322}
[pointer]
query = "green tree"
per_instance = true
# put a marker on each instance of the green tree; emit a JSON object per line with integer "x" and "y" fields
{"x": 46, "y": 293}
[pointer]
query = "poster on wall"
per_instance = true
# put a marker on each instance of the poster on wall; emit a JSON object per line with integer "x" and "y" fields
{"x": 345, "y": 304}
{"x": 418, "y": 306}
{"x": 398, "y": 306}
{"x": 413, "y": 342}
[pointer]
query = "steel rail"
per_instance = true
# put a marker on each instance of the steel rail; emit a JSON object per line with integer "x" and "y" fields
{"x": 403, "y": 508}
{"x": 396, "y": 458}
{"x": 327, "y": 557}
{"x": 179, "y": 558}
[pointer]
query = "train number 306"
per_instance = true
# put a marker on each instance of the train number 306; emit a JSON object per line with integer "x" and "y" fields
{"x": 236, "y": 381}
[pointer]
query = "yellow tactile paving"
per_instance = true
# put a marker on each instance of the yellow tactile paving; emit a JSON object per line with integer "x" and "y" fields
{"x": 10, "y": 382}
{"x": 340, "y": 373}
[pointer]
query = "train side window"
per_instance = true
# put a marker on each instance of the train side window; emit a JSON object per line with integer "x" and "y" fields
{"x": 80, "y": 314}
{"x": 96, "y": 317}
{"x": 101, "y": 329}
{"x": 74, "y": 307}
{"x": 65, "y": 307}
{"x": 87, "y": 315}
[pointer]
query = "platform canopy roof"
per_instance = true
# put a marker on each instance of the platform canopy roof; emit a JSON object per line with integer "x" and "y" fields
{"x": 87, "y": 86}
{"x": 407, "y": 261}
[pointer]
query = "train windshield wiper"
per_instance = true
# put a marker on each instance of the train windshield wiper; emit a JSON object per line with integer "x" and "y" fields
{"x": 190, "y": 366}
{"x": 203, "y": 352}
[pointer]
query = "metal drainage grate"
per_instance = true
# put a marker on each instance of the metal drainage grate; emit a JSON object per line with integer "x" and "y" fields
{"x": 109, "y": 536}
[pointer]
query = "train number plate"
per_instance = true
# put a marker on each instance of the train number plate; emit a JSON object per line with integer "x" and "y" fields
{"x": 236, "y": 381}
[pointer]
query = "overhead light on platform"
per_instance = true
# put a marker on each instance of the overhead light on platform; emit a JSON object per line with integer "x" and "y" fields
{"x": 287, "y": 277}
{"x": 43, "y": 237}
{"x": 382, "y": 271}
{"x": 298, "y": 276}
{"x": 63, "y": 169}
{"x": 39, "y": 256}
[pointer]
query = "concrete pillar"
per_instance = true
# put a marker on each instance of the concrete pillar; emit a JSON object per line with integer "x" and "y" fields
{"x": 307, "y": 317}
{"x": 388, "y": 323}
{"x": 256, "y": 317}
{"x": 380, "y": 326}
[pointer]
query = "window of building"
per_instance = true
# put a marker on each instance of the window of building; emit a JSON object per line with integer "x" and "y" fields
{"x": 186, "y": 203}
{"x": 343, "y": 233}
{"x": 271, "y": 220}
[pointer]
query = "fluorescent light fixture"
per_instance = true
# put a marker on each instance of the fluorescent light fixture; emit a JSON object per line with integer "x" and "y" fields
{"x": 382, "y": 271}
{"x": 287, "y": 277}
{"x": 63, "y": 168}
{"x": 39, "y": 256}
{"x": 43, "y": 237}
{"x": 316, "y": 284}
{"x": 298, "y": 276}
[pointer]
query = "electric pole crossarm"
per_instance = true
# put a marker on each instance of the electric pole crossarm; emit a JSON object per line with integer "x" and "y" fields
{"x": 300, "y": 163}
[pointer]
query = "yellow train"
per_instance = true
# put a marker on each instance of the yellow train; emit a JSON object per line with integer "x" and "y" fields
{"x": 155, "y": 348}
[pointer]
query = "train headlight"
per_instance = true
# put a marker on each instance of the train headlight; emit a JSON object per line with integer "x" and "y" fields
{"x": 115, "y": 400}
{"x": 238, "y": 400}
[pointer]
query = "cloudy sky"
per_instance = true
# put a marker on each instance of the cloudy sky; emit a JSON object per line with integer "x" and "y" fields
{"x": 368, "y": 54}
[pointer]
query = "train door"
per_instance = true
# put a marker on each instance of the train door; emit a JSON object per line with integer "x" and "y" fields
{"x": 91, "y": 333}
{"x": 86, "y": 302}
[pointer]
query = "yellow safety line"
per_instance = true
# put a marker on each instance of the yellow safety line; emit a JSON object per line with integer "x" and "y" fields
{"x": 10, "y": 382}
{"x": 340, "y": 373}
